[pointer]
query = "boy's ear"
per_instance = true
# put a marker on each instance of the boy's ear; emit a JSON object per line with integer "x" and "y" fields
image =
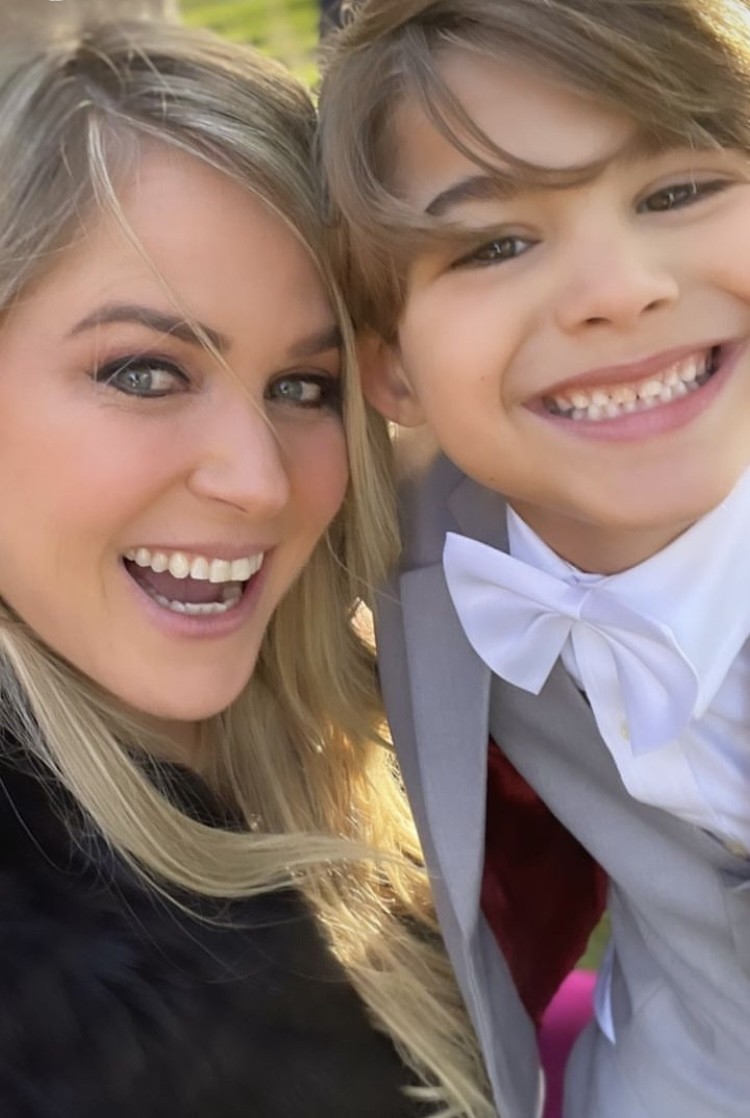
{"x": 385, "y": 384}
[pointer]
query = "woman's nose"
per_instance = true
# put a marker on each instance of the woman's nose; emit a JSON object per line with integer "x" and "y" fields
{"x": 241, "y": 462}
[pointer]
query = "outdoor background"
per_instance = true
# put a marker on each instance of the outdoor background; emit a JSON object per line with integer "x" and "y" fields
{"x": 287, "y": 29}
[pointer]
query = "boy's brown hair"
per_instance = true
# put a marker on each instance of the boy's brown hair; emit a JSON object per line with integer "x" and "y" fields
{"x": 679, "y": 68}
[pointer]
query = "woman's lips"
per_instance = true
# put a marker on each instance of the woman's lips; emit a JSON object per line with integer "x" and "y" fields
{"x": 179, "y": 618}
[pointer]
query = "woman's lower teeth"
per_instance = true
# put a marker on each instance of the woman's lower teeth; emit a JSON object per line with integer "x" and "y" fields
{"x": 199, "y": 608}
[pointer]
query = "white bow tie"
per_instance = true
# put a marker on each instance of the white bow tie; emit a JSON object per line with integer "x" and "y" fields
{"x": 517, "y": 619}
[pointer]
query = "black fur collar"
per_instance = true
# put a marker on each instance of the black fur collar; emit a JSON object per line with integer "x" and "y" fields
{"x": 114, "y": 1004}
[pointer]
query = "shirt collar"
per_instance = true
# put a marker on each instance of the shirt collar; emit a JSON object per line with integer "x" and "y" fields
{"x": 698, "y": 586}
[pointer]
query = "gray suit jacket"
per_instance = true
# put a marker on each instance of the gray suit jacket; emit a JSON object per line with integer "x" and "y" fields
{"x": 680, "y": 902}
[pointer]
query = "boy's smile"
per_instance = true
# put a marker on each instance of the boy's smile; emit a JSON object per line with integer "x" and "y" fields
{"x": 627, "y": 390}
{"x": 584, "y": 348}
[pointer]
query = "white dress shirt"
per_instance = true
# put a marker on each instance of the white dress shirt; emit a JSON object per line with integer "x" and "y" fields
{"x": 697, "y": 592}
{"x": 699, "y": 587}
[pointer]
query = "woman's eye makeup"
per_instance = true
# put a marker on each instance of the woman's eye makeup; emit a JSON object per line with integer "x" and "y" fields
{"x": 678, "y": 195}
{"x": 144, "y": 377}
{"x": 495, "y": 251}
{"x": 152, "y": 377}
{"x": 309, "y": 391}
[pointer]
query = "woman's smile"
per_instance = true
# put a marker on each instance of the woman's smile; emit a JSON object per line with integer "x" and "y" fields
{"x": 194, "y": 584}
{"x": 180, "y": 438}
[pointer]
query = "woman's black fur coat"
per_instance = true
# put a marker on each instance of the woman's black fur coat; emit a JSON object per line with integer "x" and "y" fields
{"x": 114, "y": 1004}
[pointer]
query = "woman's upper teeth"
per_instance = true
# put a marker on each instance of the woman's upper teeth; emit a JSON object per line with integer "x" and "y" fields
{"x": 200, "y": 567}
{"x": 670, "y": 382}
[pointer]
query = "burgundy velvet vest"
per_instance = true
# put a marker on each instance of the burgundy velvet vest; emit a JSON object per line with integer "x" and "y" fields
{"x": 542, "y": 893}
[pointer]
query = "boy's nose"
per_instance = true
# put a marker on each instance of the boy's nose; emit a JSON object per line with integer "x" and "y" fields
{"x": 241, "y": 462}
{"x": 613, "y": 284}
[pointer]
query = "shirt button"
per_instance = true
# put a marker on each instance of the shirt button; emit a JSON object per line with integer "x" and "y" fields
{"x": 624, "y": 731}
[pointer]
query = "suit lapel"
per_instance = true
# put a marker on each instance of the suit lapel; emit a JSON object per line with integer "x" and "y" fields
{"x": 450, "y": 704}
{"x": 438, "y": 691}
{"x": 450, "y": 689}
{"x": 479, "y": 513}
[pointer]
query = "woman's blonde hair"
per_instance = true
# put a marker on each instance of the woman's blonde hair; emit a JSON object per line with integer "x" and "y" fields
{"x": 679, "y": 68}
{"x": 298, "y": 752}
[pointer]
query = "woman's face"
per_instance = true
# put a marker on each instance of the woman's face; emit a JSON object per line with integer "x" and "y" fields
{"x": 585, "y": 351}
{"x": 156, "y": 507}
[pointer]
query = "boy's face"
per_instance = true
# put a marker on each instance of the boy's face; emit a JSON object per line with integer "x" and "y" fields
{"x": 586, "y": 352}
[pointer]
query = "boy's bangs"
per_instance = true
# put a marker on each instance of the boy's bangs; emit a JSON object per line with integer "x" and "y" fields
{"x": 679, "y": 68}
{"x": 405, "y": 232}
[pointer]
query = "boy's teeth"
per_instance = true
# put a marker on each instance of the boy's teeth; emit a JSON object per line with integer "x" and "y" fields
{"x": 650, "y": 389}
{"x": 623, "y": 399}
{"x": 200, "y": 567}
{"x": 577, "y": 398}
{"x": 623, "y": 394}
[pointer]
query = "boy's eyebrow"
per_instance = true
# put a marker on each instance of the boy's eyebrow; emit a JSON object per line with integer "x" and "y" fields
{"x": 486, "y": 187}
{"x": 474, "y": 188}
{"x": 159, "y": 321}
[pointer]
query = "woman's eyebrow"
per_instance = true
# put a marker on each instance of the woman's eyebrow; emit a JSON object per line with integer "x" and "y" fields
{"x": 159, "y": 321}
{"x": 319, "y": 342}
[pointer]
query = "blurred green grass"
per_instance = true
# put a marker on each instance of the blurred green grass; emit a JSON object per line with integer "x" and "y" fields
{"x": 285, "y": 29}
{"x": 593, "y": 955}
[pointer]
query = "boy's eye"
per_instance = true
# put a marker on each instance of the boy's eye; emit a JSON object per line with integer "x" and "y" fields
{"x": 496, "y": 251}
{"x": 145, "y": 377}
{"x": 680, "y": 194}
{"x": 307, "y": 390}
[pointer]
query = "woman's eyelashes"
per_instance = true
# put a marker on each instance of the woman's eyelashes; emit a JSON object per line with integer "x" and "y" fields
{"x": 155, "y": 377}
{"x": 308, "y": 391}
{"x": 144, "y": 377}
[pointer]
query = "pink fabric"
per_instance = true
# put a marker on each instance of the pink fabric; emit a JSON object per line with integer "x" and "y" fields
{"x": 568, "y": 1012}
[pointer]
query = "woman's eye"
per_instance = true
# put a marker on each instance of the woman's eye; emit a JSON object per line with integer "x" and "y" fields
{"x": 307, "y": 391}
{"x": 496, "y": 251}
{"x": 136, "y": 376}
{"x": 680, "y": 194}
